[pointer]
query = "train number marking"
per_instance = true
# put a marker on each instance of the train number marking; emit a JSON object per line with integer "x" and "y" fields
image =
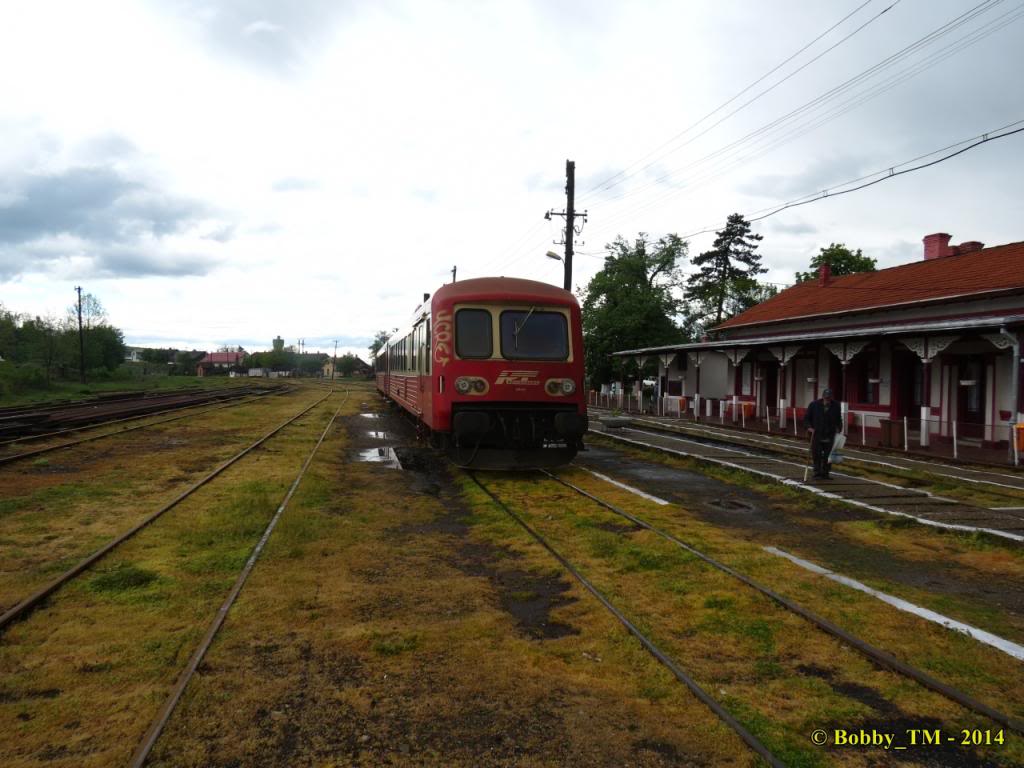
{"x": 442, "y": 337}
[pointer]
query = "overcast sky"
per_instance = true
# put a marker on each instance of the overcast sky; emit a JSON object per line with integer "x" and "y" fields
{"x": 224, "y": 172}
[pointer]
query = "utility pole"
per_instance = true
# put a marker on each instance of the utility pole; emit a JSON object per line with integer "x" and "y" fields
{"x": 81, "y": 337}
{"x": 453, "y": 272}
{"x": 570, "y": 216}
{"x": 334, "y": 365}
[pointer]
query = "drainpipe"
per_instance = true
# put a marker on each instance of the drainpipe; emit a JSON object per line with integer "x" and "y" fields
{"x": 1015, "y": 382}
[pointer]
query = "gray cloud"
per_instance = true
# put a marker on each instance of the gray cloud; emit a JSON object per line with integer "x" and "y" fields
{"x": 269, "y": 34}
{"x": 99, "y": 220}
{"x": 820, "y": 174}
{"x": 791, "y": 227}
{"x": 127, "y": 263}
{"x": 294, "y": 184}
{"x": 93, "y": 204}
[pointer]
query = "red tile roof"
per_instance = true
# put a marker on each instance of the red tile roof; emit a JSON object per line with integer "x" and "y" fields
{"x": 222, "y": 357}
{"x": 999, "y": 268}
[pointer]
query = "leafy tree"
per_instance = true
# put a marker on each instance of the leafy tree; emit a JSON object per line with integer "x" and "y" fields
{"x": 379, "y": 340}
{"x": 347, "y": 364}
{"x": 726, "y": 280}
{"x": 632, "y": 302}
{"x": 841, "y": 261}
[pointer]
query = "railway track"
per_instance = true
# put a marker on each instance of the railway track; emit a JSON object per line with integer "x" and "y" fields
{"x": 875, "y": 655}
{"x": 867, "y": 493}
{"x": 10, "y": 458}
{"x": 994, "y": 479}
{"x": 159, "y": 722}
{"x": 42, "y": 421}
{"x": 29, "y": 603}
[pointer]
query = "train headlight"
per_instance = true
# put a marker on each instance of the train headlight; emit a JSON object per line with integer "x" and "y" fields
{"x": 560, "y": 387}
{"x": 471, "y": 385}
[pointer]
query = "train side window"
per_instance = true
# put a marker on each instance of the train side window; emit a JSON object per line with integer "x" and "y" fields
{"x": 429, "y": 350}
{"x": 473, "y": 337}
{"x": 412, "y": 348}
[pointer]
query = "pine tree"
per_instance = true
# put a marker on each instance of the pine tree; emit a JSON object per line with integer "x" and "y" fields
{"x": 727, "y": 276}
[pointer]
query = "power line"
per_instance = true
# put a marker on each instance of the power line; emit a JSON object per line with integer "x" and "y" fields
{"x": 858, "y": 99}
{"x": 515, "y": 249}
{"x": 889, "y": 173}
{"x": 755, "y": 98}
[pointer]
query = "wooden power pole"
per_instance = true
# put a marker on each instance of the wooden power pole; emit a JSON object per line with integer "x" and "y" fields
{"x": 570, "y": 216}
{"x": 81, "y": 337}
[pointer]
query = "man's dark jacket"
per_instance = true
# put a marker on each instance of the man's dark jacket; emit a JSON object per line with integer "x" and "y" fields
{"x": 824, "y": 421}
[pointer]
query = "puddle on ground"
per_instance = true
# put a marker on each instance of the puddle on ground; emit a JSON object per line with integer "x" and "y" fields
{"x": 377, "y": 435}
{"x": 385, "y": 456}
{"x": 370, "y": 415}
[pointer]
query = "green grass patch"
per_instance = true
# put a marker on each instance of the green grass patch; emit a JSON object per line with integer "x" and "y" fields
{"x": 394, "y": 644}
{"x": 121, "y": 578}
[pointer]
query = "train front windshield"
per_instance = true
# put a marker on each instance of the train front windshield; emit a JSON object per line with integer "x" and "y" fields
{"x": 534, "y": 335}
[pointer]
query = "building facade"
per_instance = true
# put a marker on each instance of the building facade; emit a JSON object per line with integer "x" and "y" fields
{"x": 936, "y": 342}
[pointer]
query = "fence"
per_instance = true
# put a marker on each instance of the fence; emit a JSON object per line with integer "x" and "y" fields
{"x": 968, "y": 441}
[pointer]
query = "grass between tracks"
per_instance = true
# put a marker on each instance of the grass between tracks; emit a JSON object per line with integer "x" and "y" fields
{"x": 978, "y": 494}
{"x": 985, "y": 558}
{"x": 84, "y": 674}
{"x": 776, "y": 673}
{"x": 53, "y": 513}
{"x": 386, "y": 625}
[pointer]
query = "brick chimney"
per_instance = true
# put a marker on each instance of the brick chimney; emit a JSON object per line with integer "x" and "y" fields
{"x": 936, "y": 246}
{"x": 824, "y": 275}
{"x": 969, "y": 247}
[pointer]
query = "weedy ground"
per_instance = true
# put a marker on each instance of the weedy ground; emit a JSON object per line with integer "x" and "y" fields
{"x": 972, "y": 577}
{"x": 57, "y": 509}
{"x": 401, "y": 618}
{"x": 778, "y": 675}
{"x": 82, "y": 676}
{"x": 387, "y": 627}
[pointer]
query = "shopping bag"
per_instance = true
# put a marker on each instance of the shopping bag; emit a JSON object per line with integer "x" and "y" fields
{"x": 834, "y": 456}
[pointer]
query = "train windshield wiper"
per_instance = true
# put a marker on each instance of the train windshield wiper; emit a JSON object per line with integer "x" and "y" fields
{"x": 517, "y": 327}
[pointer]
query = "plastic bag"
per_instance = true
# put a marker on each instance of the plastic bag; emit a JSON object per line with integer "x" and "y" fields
{"x": 834, "y": 456}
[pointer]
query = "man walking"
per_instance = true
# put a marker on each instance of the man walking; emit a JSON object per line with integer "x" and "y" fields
{"x": 823, "y": 420}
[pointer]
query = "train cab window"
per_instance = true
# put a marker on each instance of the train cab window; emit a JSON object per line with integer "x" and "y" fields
{"x": 429, "y": 341}
{"x": 473, "y": 333}
{"x": 534, "y": 335}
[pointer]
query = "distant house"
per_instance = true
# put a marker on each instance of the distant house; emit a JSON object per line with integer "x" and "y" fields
{"x": 133, "y": 354}
{"x": 360, "y": 368}
{"x": 219, "y": 360}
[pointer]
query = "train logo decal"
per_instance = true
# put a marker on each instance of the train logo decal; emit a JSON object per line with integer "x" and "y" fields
{"x": 442, "y": 337}
{"x": 518, "y": 378}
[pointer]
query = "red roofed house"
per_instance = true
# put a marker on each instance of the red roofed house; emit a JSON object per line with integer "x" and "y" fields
{"x": 938, "y": 338}
{"x": 219, "y": 360}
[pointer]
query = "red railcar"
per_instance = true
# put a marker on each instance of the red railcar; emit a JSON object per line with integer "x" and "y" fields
{"x": 493, "y": 369}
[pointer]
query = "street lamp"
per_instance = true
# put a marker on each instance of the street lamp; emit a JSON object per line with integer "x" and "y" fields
{"x": 553, "y": 255}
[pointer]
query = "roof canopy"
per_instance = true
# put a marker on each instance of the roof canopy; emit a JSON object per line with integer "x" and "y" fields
{"x": 988, "y": 271}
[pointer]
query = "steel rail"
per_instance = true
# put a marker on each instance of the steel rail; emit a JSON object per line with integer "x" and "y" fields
{"x": 877, "y": 655}
{"x": 156, "y": 728}
{"x": 31, "y": 602}
{"x": 231, "y": 396}
{"x": 139, "y": 398}
{"x": 785, "y": 444}
{"x": 90, "y": 438}
{"x": 96, "y": 425}
{"x": 721, "y": 712}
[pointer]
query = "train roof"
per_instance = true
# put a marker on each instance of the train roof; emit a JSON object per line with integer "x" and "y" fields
{"x": 503, "y": 289}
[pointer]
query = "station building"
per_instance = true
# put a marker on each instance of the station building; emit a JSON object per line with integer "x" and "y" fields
{"x": 936, "y": 341}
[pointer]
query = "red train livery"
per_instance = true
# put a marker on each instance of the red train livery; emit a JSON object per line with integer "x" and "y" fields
{"x": 493, "y": 369}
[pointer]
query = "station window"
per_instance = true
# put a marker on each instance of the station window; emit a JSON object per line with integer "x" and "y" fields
{"x": 473, "y": 333}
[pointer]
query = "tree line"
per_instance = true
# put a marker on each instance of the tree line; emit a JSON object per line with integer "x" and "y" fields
{"x": 37, "y": 350}
{"x": 641, "y": 298}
